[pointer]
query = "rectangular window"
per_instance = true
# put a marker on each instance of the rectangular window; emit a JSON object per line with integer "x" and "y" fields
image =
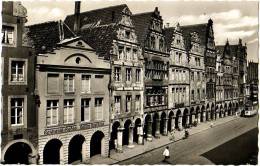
{"x": 17, "y": 71}
{"x": 128, "y": 53}
{"x": 117, "y": 74}
{"x": 98, "y": 108}
{"x": 68, "y": 82}
{"x": 68, "y": 111}
{"x": 135, "y": 54}
{"x": 52, "y": 112}
{"x": 85, "y": 83}
{"x": 128, "y": 74}
{"x": 128, "y": 103}
{"x": 85, "y": 110}
{"x": 138, "y": 75}
{"x": 117, "y": 104}
{"x": 192, "y": 95}
{"x": 127, "y": 34}
{"x": 192, "y": 76}
{"x": 53, "y": 83}
{"x": 121, "y": 53}
{"x": 198, "y": 75}
{"x": 137, "y": 103}
{"x": 17, "y": 108}
{"x": 198, "y": 91}
{"x": 7, "y": 35}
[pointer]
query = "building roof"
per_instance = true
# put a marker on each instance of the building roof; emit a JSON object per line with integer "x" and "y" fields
{"x": 102, "y": 16}
{"x": 201, "y": 29}
{"x": 45, "y": 36}
{"x": 142, "y": 22}
{"x": 100, "y": 38}
{"x": 168, "y": 32}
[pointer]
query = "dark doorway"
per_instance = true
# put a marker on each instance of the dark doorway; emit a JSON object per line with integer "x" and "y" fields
{"x": 126, "y": 132}
{"x": 96, "y": 143}
{"x": 146, "y": 122}
{"x": 75, "y": 148}
{"x": 113, "y": 137}
{"x": 178, "y": 114}
{"x": 51, "y": 152}
{"x": 184, "y": 118}
{"x": 170, "y": 121}
{"x": 155, "y": 120}
{"x": 162, "y": 122}
{"x": 137, "y": 124}
{"x": 17, "y": 153}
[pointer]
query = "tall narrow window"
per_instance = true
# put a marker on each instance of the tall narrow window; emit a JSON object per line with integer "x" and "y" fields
{"x": 17, "y": 71}
{"x": 98, "y": 108}
{"x": 138, "y": 75}
{"x": 52, "y": 112}
{"x": 192, "y": 94}
{"x": 128, "y": 74}
{"x": 137, "y": 103}
{"x": 85, "y": 110}
{"x": 128, "y": 103}
{"x": 128, "y": 54}
{"x": 17, "y": 110}
{"x": 7, "y": 34}
{"x": 135, "y": 54}
{"x": 117, "y": 104}
{"x": 153, "y": 42}
{"x": 85, "y": 83}
{"x": 117, "y": 74}
{"x": 68, "y": 83}
{"x": 198, "y": 92}
{"x": 192, "y": 76}
{"x": 68, "y": 111}
{"x": 198, "y": 75}
{"x": 121, "y": 53}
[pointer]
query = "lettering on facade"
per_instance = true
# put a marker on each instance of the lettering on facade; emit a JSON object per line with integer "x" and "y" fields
{"x": 66, "y": 129}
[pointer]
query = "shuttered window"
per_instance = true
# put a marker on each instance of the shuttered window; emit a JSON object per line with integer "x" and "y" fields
{"x": 53, "y": 83}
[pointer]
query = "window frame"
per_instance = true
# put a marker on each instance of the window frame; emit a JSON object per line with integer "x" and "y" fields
{"x": 25, "y": 71}
{"x": 57, "y": 113}
{"x": 69, "y": 108}
{"x": 14, "y": 35}
{"x": 89, "y": 80}
{"x": 98, "y": 106}
{"x": 82, "y": 109}
{"x": 68, "y": 84}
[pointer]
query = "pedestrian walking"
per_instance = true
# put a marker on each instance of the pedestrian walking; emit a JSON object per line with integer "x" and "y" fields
{"x": 166, "y": 154}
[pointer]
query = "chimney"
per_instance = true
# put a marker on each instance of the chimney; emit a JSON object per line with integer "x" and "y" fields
{"x": 167, "y": 25}
{"x": 77, "y": 16}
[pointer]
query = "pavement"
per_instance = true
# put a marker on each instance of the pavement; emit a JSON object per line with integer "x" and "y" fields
{"x": 225, "y": 143}
{"x": 138, "y": 150}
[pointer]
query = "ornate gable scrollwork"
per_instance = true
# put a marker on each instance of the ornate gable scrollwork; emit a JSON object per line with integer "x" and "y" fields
{"x": 127, "y": 35}
{"x": 195, "y": 37}
{"x": 126, "y": 20}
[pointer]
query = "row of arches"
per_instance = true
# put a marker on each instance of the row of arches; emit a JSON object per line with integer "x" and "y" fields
{"x": 77, "y": 149}
{"x": 160, "y": 123}
{"x": 21, "y": 152}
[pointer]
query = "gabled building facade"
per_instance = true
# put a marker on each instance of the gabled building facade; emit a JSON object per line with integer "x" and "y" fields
{"x": 72, "y": 87}
{"x": 195, "y": 50}
{"x": 179, "y": 78}
{"x": 150, "y": 34}
{"x": 112, "y": 33}
{"x": 18, "y": 115}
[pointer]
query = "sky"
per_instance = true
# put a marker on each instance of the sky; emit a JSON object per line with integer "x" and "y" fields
{"x": 231, "y": 20}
